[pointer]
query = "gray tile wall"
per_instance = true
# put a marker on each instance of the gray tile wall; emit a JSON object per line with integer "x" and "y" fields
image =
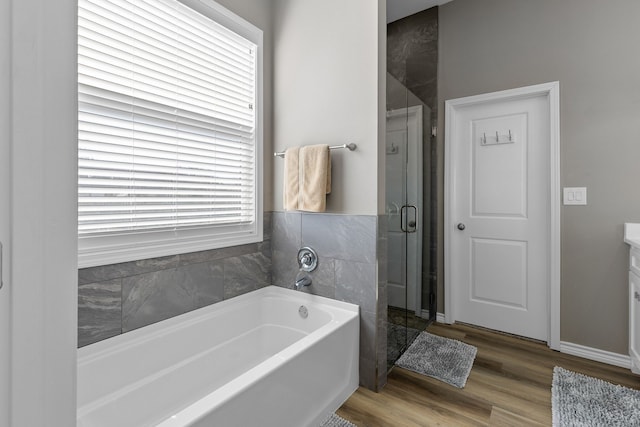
{"x": 352, "y": 267}
{"x": 412, "y": 55}
{"x": 118, "y": 298}
{"x": 381, "y": 334}
{"x": 350, "y": 250}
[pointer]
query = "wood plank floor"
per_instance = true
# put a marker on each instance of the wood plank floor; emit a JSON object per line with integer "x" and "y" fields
{"x": 509, "y": 385}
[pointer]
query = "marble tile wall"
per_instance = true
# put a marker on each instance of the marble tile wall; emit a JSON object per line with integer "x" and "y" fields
{"x": 118, "y": 298}
{"x": 381, "y": 334}
{"x": 349, "y": 270}
{"x": 412, "y": 55}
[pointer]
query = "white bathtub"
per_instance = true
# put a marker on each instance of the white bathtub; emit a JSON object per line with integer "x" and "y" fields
{"x": 249, "y": 361}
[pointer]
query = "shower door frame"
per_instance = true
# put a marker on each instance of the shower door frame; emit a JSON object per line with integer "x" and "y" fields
{"x": 414, "y": 115}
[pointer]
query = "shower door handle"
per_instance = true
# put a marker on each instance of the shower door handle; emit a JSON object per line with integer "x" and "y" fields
{"x": 404, "y": 222}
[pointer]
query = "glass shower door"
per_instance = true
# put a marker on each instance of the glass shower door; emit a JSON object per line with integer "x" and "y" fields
{"x": 396, "y": 202}
{"x": 407, "y": 119}
{"x": 412, "y": 189}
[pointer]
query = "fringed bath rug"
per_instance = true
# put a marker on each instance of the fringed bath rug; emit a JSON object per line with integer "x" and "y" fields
{"x": 580, "y": 400}
{"x": 336, "y": 421}
{"x": 441, "y": 358}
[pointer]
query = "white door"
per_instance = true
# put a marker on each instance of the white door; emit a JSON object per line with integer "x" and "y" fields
{"x": 499, "y": 214}
{"x": 403, "y": 184}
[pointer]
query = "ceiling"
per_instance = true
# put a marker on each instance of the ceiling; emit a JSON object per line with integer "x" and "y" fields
{"x": 397, "y": 9}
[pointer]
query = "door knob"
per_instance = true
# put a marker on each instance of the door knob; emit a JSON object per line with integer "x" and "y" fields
{"x": 461, "y": 226}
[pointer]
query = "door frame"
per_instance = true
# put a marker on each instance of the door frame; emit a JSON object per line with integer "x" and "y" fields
{"x": 415, "y": 119}
{"x": 5, "y": 211}
{"x": 551, "y": 91}
{"x": 43, "y": 244}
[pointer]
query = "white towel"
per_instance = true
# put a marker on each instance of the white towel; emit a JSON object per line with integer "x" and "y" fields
{"x": 291, "y": 179}
{"x": 307, "y": 178}
{"x": 314, "y": 178}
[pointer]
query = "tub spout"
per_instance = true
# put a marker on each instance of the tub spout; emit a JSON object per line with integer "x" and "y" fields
{"x": 302, "y": 280}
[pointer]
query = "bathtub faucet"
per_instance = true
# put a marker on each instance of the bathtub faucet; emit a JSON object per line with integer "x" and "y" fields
{"x": 307, "y": 262}
{"x": 302, "y": 280}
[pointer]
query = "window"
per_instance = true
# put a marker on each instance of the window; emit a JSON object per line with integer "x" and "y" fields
{"x": 169, "y": 129}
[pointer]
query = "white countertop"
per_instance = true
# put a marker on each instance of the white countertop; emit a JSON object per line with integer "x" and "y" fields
{"x": 632, "y": 234}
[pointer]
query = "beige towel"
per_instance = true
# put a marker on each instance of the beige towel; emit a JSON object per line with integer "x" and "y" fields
{"x": 314, "y": 163}
{"x": 291, "y": 180}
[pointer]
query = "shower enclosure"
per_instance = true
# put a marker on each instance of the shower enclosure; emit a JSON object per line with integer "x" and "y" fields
{"x": 407, "y": 211}
{"x": 411, "y": 179}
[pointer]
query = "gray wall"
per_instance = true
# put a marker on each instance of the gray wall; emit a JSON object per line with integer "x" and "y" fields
{"x": 5, "y": 208}
{"x": 347, "y": 271}
{"x": 118, "y": 298}
{"x": 591, "y": 48}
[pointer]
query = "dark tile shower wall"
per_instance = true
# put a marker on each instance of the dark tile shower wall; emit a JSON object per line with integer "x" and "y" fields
{"x": 350, "y": 257}
{"x": 412, "y": 59}
{"x": 118, "y": 298}
{"x": 412, "y": 55}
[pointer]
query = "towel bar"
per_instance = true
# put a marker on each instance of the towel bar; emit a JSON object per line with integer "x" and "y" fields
{"x": 351, "y": 147}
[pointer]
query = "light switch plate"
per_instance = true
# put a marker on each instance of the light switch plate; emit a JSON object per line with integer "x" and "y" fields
{"x": 575, "y": 196}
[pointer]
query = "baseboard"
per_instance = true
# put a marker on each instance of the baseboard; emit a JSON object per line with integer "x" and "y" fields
{"x": 439, "y": 316}
{"x": 621, "y": 360}
{"x": 603, "y": 356}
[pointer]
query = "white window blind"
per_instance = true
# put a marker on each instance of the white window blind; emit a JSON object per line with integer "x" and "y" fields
{"x": 167, "y": 130}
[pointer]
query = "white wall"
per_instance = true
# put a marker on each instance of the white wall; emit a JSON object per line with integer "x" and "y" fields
{"x": 323, "y": 87}
{"x": 329, "y": 79}
{"x": 43, "y": 209}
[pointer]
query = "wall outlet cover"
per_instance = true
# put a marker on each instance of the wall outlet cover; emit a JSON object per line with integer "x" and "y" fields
{"x": 575, "y": 196}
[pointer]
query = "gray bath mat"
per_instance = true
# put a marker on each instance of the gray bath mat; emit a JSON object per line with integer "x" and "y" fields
{"x": 336, "y": 421}
{"x": 579, "y": 400}
{"x": 441, "y": 358}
